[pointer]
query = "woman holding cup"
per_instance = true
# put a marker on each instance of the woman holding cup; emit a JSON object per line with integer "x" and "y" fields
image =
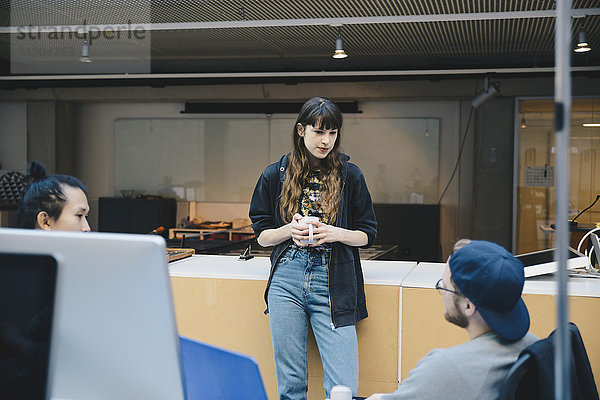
{"x": 315, "y": 208}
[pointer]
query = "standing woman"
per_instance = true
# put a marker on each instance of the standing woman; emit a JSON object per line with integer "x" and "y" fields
{"x": 320, "y": 283}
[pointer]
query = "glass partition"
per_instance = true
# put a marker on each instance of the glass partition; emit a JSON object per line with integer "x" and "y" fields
{"x": 220, "y": 159}
{"x": 536, "y": 185}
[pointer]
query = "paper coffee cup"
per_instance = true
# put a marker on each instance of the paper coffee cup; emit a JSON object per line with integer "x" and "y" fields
{"x": 304, "y": 222}
{"x": 340, "y": 392}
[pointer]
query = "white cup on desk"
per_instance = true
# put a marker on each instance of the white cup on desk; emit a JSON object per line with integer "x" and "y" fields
{"x": 340, "y": 392}
{"x": 304, "y": 221}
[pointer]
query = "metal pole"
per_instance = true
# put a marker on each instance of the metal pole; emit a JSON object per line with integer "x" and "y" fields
{"x": 562, "y": 100}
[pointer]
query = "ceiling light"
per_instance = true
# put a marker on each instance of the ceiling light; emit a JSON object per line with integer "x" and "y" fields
{"x": 582, "y": 44}
{"x": 491, "y": 89}
{"x": 85, "y": 49}
{"x": 339, "y": 46}
{"x": 523, "y": 122}
{"x": 85, "y": 53}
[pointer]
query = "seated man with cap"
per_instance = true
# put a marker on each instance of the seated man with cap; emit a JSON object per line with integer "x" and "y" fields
{"x": 481, "y": 290}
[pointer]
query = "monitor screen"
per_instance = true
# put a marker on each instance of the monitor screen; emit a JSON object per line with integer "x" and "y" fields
{"x": 114, "y": 333}
{"x": 27, "y": 286}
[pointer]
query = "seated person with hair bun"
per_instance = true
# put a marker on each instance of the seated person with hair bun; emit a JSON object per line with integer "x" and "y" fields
{"x": 53, "y": 203}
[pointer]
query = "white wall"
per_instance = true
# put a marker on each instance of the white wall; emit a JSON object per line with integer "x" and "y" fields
{"x": 94, "y": 143}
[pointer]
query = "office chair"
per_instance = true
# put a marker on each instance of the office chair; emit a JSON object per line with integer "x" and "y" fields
{"x": 212, "y": 373}
{"x": 532, "y": 375}
{"x": 522, "y": 370}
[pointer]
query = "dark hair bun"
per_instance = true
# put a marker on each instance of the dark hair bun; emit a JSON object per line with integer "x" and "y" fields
{"x": 37, "y": 171}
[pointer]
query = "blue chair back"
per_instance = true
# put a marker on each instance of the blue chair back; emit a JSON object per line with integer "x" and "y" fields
{"x": 213, "y": 373}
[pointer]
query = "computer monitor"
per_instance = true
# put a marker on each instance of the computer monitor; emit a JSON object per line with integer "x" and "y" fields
{"x": 27, "y": 287}
{"x": 542, "y": 262}
{"x": 114, "y": 333}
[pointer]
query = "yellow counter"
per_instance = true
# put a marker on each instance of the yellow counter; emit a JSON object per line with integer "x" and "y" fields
{"x": 219, "y": 300}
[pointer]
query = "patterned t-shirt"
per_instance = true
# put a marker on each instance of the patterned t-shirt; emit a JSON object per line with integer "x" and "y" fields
{"x": 310, "y": 198}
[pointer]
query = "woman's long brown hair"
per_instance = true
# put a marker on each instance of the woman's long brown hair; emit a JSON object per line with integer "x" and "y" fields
{"x": 321, "y": 113}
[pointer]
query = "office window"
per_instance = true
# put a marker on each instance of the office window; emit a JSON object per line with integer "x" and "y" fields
{"x": 536, "y": 182}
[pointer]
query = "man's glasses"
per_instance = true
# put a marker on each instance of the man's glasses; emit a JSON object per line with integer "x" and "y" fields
{"x": 441, "y": 289}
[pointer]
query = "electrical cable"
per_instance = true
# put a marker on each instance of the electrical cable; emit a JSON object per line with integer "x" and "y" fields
{"x": 572, "y": 222}
{"x": 585, "y": 237}
{"x": 462, "y": 146}
{"x": 589, "y": 268}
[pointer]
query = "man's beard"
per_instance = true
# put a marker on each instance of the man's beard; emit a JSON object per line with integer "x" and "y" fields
{"x": 458, "y": 318}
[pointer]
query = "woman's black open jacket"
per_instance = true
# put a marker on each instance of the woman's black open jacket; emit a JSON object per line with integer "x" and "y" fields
{"x": 346, "y": 286}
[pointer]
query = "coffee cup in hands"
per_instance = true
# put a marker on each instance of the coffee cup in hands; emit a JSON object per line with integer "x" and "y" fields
{"x": 340, "y": 392}
{"x": 304, "y": 222}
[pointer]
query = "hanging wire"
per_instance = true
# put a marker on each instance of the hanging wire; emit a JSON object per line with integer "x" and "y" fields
{"x": 462, "y": 146}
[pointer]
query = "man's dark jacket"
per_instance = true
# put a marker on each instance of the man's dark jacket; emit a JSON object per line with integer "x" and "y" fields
{"x": 346, "y": 286}
{"x": 538, "y": 383}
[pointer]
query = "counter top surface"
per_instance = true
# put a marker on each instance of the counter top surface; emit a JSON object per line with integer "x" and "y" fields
{"x": 222, "y": 267}
{"x": 393, "y": 273}
{"x": 547, "y": 284}
{"x": 257, "y": 268}
{"x": 425, "y": 275}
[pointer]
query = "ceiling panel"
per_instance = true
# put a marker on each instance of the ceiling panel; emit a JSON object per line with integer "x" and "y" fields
{"x": 449, "y": 44}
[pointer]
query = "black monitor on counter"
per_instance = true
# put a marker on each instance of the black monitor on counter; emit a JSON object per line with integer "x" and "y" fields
{"x": 542, "y": 262}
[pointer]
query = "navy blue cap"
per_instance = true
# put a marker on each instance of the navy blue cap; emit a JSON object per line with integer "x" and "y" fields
{"x": 492, "y": 278}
